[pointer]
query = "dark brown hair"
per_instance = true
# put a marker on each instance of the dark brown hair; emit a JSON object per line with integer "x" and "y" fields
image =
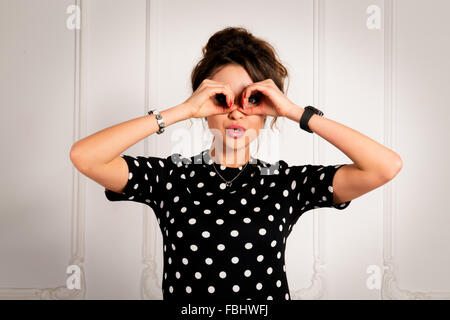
{"x": 236, "y": 45}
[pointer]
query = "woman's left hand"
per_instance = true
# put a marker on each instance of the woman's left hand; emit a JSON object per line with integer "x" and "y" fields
{"x": 273, "y": 102}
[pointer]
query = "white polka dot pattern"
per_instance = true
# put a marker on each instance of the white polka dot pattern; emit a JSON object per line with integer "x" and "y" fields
{"x": 225, "y": 242}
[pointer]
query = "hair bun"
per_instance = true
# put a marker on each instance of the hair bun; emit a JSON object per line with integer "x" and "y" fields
{"x": 229, "y": 40}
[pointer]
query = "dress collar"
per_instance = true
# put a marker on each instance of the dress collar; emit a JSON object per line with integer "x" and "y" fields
{"x": 206, "y": 160}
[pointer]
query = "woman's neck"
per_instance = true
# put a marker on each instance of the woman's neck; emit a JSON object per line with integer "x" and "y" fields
{"x": 233, "y": 158}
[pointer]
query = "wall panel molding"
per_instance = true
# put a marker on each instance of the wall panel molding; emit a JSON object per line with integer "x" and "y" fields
{"x": 390, "y": 287}
{"x": 78, "y": 186}
{"x": 318, "y": 282}
{"x": 150, "y": 279}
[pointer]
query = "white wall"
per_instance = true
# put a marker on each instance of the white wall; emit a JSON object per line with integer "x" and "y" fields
{"x": 59, "y": 85}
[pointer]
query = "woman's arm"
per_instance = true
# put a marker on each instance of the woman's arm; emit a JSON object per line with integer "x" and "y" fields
{"x": 98, "y": 155}
{"x": 374, "y": 164}
{"x": 106, "y": 145}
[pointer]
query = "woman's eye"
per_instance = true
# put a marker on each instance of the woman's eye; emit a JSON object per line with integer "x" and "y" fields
{"x": 255, "y": 97}
{"x": 220, "y": 98}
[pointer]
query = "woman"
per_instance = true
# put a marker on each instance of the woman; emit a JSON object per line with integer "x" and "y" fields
{"x": 224, "y": 215}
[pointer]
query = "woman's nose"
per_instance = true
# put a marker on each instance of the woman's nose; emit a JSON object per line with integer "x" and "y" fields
{"x": 236, "y": 114}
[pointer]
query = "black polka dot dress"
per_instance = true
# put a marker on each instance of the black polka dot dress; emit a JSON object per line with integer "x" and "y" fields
{"x": 225, "y": 243}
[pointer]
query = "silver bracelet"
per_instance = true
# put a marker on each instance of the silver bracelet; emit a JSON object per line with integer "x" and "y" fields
{"x": 160, "y": 120}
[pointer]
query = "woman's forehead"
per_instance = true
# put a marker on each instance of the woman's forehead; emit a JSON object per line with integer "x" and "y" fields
{"x": 235, "y": 76}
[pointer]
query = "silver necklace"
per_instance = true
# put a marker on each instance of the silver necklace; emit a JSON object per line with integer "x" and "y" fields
{"x": 228, "y": 183}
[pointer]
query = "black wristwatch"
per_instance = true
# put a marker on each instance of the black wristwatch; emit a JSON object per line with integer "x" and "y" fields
{"x": 307, "y": 114}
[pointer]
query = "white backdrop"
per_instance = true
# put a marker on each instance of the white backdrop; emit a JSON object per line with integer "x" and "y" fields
{"x": 379, "y": 67}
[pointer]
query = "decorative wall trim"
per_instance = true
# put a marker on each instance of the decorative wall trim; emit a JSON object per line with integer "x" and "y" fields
{"x": 318, "y": 283}
{"x": 78, "y": 186}
{"x": 390, "y": 286}
{"x": 150, "y": 279}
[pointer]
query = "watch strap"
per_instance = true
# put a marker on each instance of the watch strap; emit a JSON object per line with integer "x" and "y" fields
{"x": 308, "y": 112}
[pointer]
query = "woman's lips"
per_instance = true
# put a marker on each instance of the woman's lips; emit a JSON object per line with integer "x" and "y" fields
{"x": 235, "y": 133}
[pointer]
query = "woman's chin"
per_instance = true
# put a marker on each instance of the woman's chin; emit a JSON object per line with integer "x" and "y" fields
{"x": 237, "y": 143}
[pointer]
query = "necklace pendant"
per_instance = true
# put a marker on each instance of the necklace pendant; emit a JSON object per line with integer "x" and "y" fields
{"x": 228, "y": 184}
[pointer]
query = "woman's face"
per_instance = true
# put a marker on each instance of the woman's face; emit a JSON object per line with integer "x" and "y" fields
{"x": 238, "y": 79}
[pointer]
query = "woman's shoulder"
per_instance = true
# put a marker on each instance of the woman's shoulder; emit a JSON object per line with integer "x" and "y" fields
{"x": 174, "y": 159}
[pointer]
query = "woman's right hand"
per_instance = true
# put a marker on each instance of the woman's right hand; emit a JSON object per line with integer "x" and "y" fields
{"x": 210, "y": 98}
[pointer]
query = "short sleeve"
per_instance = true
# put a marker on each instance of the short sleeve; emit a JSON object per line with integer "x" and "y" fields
{"x": 146, "y": 177}
{"x": 312, "y": 186}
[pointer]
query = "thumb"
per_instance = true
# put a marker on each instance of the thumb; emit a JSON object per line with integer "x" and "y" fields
{"x": 249, "y": 111}
{"x": 233, "y": 107}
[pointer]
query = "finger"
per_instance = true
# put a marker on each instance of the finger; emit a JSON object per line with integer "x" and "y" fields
{"x": 222, "y": 89}
{"x": 230, "y": 96}
{"x": 262, "y": 109}
{"x": 224, "y": 110}
{"x": 217, "y": 95}
{"x": 229, "y": 109}
{"x": 252, "y": 111}
{"x": 232, "y": 108}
